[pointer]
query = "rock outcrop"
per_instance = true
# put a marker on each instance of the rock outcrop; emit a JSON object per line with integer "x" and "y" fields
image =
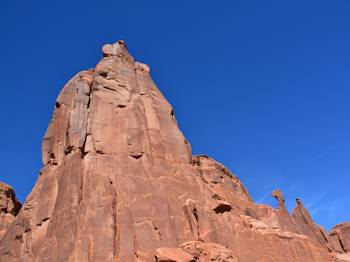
{"x": 340, "y": 237}
{"x": 9, "y": 207}
{"x": 119, "y": 183}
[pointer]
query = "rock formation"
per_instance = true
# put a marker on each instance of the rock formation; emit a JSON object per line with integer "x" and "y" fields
{"x": 119, "y": 183}
{"x": 9, "y": 207}
{"x": 340, "y": 237}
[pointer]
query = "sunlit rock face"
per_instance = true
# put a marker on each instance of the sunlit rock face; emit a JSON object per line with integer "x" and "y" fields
{"x": 119, "y": 183}
{"x": 340, "y": 236}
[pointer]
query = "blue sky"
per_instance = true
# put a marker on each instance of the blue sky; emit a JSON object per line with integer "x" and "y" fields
{"x": 261, "y": 86}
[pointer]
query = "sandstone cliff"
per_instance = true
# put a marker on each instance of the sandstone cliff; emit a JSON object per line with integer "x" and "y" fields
{"x": 119, "y": 183}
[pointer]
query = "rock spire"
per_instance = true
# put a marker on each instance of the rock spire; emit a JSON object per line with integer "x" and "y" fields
{"x": 119, "y": 183}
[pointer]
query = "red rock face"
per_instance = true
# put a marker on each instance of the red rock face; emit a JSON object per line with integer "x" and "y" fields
{"x": 9, "y": 207}
{"x": 340, "y": 236}
{"x": 119, "y": 183}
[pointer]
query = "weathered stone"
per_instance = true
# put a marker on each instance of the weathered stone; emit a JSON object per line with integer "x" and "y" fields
{"x": 307, "y": 226}
{"x": 286, "y": 222}
{"x": 168, "y": 254}
{"x": 340, "y": 236}
{"x": 9, "y": 207}
{"x": 206, "y": 252}
{"x": 119, "y": 183}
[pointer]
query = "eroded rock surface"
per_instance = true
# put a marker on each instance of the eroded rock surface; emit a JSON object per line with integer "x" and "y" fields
{"x": 119, "y": 183}
{"x": 9, "y": 207}
{"x": 340, "y": 237}
{"x": 207, "y": 252}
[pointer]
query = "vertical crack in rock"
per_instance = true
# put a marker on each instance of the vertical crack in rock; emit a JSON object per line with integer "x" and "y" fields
{"x": 341, "y": 245}
{"x": 115, "y": 226}
{"x": 340, "y": 237}
{"x": 195, "y": 214}
{"x": 191, "y": 214}
{"x": 156, "y": 229}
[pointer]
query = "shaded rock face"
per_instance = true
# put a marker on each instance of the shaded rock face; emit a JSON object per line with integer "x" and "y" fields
{"x": 119, "y": 183}
{"x": 9, "y": 207}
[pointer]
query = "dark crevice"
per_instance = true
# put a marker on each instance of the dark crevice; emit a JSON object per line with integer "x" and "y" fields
{"x": 196, "y": 162}
{"x": 115, "y": 229}
{"x": 81, "y": 188}
{"x": 341, "y": 244}
{"x": 88, "y": 105}
{"x": 100, "y": 152}
{"x": 111, "y": 89}
{"x": 324, "y": 237}
{"x": 137, "y": 155}
{"x": 103, "y": 74}
{"x": 45, "y": 219}
{"x": 57, "y": 105}
{"x": 82, "y": 148}
{"x": 83, "y": 153}
{"x": 42, "y": 221}
{"x": 195, "y": 214}
{"x": 172, "y": 113}
{"x": 157, "y": 231}
{"x": 52, "y": 159}
{"x": 222, "y": 208}
{"x": 18, "y": 237}
{"x": 123, "y": 86}
{"x": 68, "y": 149}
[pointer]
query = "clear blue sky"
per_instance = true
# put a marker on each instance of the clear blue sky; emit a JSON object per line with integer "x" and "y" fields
{"x": 261, "y": 86}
